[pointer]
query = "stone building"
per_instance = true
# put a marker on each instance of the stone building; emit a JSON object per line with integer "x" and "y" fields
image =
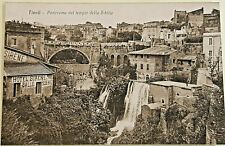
{"x": 168, "y": 92}
{"x": 156, "y": 59}
{"x": 26, "y": 37}
{"x": 100, "y": 33}
{"x": 111, "y": 32}
{"x": 125, "y": 27}
{"x": 195, "y": 18}
{"x": 212, "y": 50}
{"x": 212, "y": 21}
{"x": 180, "y": 17}
{"x": 195, "y": 22}
{"x": 151, "y": 30}
{"x": 26, "y": 74}
{"x": 89, "y": 29}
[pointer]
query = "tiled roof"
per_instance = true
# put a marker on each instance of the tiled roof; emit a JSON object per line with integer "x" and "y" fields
{"x": 20, "y": 69}
{"x": 156, "y": 50}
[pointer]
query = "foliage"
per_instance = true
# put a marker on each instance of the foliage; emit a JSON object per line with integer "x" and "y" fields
{"x": 193, "y": 40}
{"x": 64, "y": 119}
{"x": 174, "y": 26}
{"x": 47, "y": 35}
{"x": 194, "y": 75}
{"x": 76, "y": 36}
{"x": 13, "y": 130}
{"x": 216, "y": 119}
{"x": 155, "y": 78}
{"x": 61, "y": 37}
{"x": 179, "y": 78}
{"x": 113, "y": 39}
{"x": 126, "y": 36}
{"x": 145, "y": 132}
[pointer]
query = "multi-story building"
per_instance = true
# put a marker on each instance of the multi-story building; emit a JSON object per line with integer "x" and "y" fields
{"x": 151, "y": 30}
{"x": 124, "y": 27}
{"x": 180, "y": 17}
{"x": 212, "y": 50}
{"x": 195, "y": 18}
{"x": 195, "y": 23}
{"x": 26, "y": 74}
{"x": 111, "y": 32}
{"x": 212, "y": 21}
{"x": 26, "y": 37}
{"x": 151, "y": 60}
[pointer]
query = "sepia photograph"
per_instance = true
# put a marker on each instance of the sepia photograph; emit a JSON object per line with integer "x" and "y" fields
{"x": 112, "y": 73}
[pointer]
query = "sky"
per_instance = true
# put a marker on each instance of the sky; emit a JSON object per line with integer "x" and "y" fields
{"x": 107, "y": 14}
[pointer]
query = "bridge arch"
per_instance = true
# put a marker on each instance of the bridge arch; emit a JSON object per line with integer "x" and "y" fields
{"x": 69, "y": 53}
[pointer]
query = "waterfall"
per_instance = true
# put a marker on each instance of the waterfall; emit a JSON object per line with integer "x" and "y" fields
{"x": 137, "y": 95}
{"x": 104, "y": 96}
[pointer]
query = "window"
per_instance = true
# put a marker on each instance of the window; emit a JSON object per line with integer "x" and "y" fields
{"x": 14, "y": 41}
{"x": 168, "y": 36}
{"x": 147, "y": 56}
{"x": 210, "y": 53}
{"x": 142, "y": 56}
{"x": 135, "y": 56}
{"x": 163, "y": 101}
{"x": 135, "y": 65}
{"x": 16, "y": 89}
{"x": 174, "y": 60}
{"x": 33, "y": 46}
{"x": 38, "y": 88}
{"x": 141, "y": 66}
{"x": 147, "y": 66}
{"x": 147, "y": 77}
{"x": 210, "y": 41}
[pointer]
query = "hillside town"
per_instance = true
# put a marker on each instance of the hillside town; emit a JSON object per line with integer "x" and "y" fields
{"x": 74, "y": 83}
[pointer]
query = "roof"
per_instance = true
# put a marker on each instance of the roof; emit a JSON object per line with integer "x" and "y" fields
{"x": 176, "y": 84}
{"x": 24, "y": 52}
{"x": 31, "y": 55}
{"x": 20, "y": 69}
{"x": 211, "y": 34}
{"x": 188, "y": 57}
{"x": 156, "y": 50}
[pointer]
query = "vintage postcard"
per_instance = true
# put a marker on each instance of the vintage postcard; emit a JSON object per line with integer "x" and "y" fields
{"x": 113, "y": 73}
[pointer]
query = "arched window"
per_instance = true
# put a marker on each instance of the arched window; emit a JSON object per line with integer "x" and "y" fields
{"x": 125, "y": 59}
{"x": 112, "y": 59}
{"x": 147, "y": 77}
{"x": 118, "y": 60}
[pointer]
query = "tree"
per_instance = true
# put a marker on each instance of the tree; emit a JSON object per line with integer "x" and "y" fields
{"x": 47, "y": 35}
{"x": 126, "y": 36}
{"x": 61, "y": 37}
{"x": 13, "y": 130}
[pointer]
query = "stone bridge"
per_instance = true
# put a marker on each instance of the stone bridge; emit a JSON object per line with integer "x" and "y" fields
{"x": 117, "y": 52}
{"x": 91, "y": 51}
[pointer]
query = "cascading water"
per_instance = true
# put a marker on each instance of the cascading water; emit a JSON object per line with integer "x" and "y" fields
{"x": 137, "y": 95}
{"x": 104, "y": 96}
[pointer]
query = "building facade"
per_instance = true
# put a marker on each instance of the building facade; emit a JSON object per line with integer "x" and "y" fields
{"x": 26, "y": 75}
{"x": 151, "y": 60}
{"x": 167, "y": 92}
{"x": 26, "y": 37}
{"x": 212, "y": 50}
{"x": 212, "y": 21}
